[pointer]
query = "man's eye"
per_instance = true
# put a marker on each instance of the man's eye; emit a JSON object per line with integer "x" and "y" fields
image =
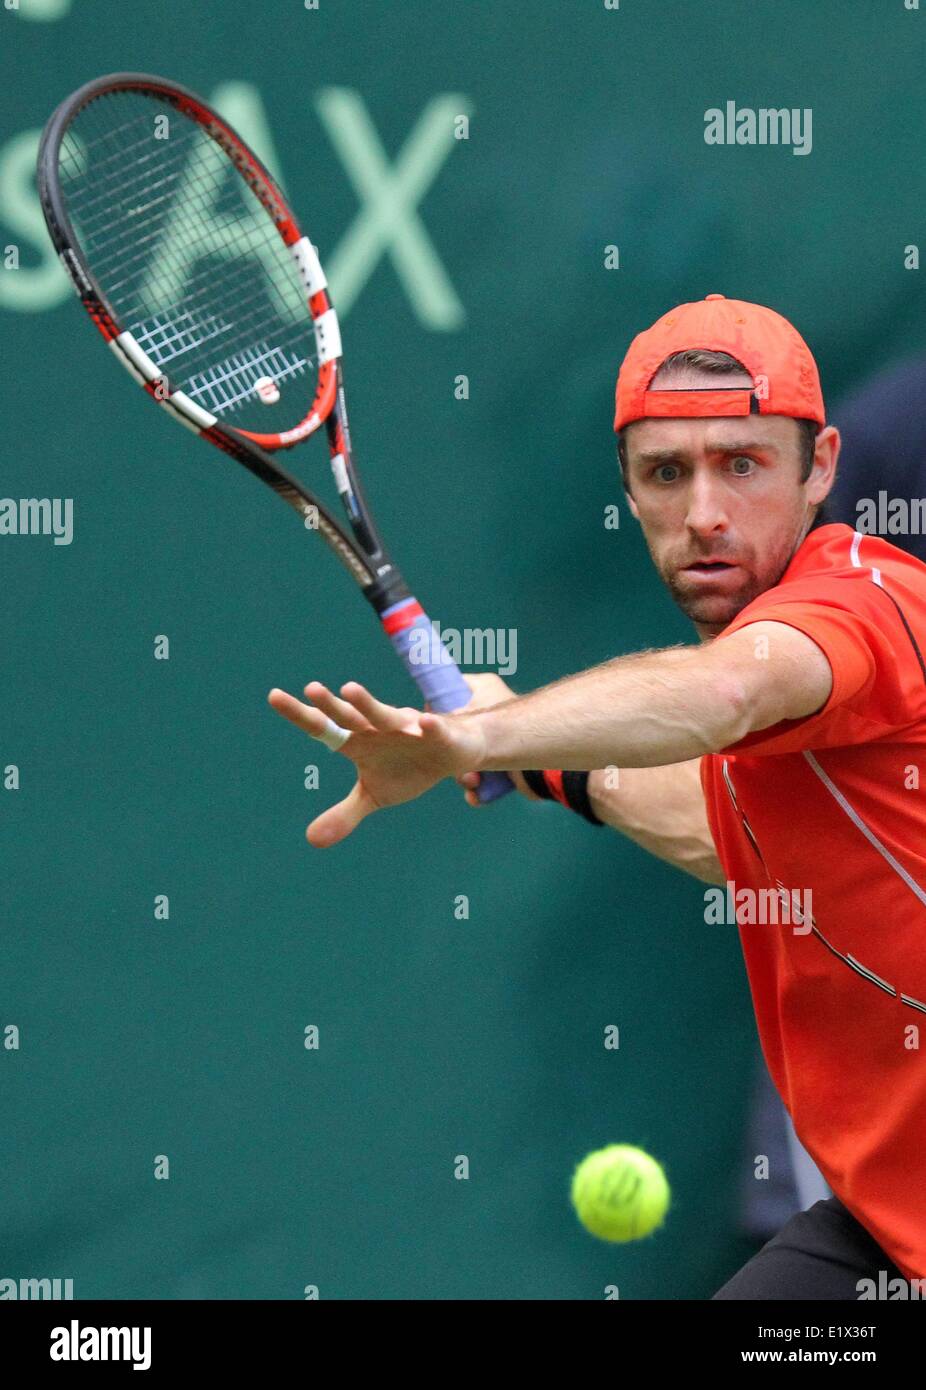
{"x": 748, "y": 465}
{"x": 666, "y": 473}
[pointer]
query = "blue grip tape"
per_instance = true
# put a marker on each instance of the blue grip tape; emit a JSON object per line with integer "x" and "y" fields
{"x": 436, "y": 675}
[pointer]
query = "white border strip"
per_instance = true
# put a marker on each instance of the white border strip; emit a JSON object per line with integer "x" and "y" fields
{"x": 854, "y": 557}
{"x": 869, "y": 834}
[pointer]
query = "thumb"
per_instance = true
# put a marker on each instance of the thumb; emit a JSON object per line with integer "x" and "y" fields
{"x": 335, "y": 824}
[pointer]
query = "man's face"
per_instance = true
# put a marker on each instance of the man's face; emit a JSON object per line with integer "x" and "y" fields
{"x": 721, "y": 506}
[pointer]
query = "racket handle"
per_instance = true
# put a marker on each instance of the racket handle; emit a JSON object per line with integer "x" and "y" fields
{"x": 429, "y": 664}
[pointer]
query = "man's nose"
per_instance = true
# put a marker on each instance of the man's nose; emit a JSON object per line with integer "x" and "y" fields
{"x": 706, "y": 505}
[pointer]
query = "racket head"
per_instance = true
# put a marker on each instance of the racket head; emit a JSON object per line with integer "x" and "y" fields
{"x": 189, "y": 260}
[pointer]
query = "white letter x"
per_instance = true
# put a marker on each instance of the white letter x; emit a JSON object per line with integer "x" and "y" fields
{"x": 388, "y": 221}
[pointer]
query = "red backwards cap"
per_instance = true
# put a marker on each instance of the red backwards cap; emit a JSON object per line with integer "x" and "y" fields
{"x": 784, "y": 373}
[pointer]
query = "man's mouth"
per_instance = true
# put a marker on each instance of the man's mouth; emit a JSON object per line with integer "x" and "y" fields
{"x": 706, "y": 569}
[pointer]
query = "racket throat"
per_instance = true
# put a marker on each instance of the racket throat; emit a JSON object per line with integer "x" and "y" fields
{"x": 387, "y": 591}
{"x": 359, "y": 523}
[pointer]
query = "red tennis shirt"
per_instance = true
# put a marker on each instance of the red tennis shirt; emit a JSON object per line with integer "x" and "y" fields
{"x": 830, "y": 813}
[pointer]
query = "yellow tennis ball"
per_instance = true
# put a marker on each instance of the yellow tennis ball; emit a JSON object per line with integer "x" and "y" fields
{"x": 620, "y": 1193}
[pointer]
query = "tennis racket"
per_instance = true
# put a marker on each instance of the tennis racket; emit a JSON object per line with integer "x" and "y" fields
{"x": 188, "y": 259}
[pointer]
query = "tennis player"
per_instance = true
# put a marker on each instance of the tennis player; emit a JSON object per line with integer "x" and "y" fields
{"x": 780, "y": 755}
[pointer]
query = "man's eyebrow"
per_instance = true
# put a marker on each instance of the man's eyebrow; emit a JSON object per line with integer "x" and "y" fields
{"x": 751, "y": 446}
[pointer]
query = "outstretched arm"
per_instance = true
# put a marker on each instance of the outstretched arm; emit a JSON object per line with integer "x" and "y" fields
{"x": 660, "y": 707}
{"x": 638, "y": 711}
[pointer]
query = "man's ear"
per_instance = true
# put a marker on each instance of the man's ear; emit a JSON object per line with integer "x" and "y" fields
{"x": 623, "y": 472}
{"x": 826, "y": 458}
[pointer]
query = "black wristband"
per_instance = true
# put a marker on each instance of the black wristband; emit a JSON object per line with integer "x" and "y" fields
{"x": 574, "y": 788}
{"x": 538, "y": 785}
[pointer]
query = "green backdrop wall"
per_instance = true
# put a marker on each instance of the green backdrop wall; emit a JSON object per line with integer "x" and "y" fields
{"x": 140, "y": 777}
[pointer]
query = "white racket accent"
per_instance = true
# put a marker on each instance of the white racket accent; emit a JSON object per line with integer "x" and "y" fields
{"x": 334, "y": 737}
{"x": 126, "y": 362}
{"x": 339, "y": 469}
{"x": 327, "y": 336}
{"x": 141, "y": 367}
{"x": 188, "y": 412}
{"x": 146, "y": 367}
{"x": 267, "y": 390}
{"x": 310, "y": 267}
{"x": 179, "y": 416}
{"x": 79, "y": 282}
{"x": 301, "y": 431}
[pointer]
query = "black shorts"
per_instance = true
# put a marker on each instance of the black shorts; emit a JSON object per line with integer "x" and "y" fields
{"x": 821, "y": 1253}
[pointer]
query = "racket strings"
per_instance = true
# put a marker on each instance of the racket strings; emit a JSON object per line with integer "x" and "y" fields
{"x": 187, "y": 255}
{"x": 219, "y": 388}
{"x": 189, "y": 327}
{"x": 193, "y": 216}
{"x": 242, "y": 299}
{"x": 97, "y": 208}
{"x": 175, "y": 162}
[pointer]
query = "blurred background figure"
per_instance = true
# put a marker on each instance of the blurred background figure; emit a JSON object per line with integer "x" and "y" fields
{"x": 883, "y": 428}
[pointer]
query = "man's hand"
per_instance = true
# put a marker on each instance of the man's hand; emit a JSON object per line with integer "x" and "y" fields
{"x": 398, "y": 753}
{"x": 489, "y": 689}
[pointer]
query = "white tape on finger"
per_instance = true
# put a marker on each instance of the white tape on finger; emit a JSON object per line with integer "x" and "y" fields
{"x": 334, "y": 737}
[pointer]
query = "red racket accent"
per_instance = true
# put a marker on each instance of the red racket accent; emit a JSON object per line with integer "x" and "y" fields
{"x": 101, "y": 317}
{"x": 326, "y": 394}
{"x": 406, "y": 616}
{"x": 338, "y": 442}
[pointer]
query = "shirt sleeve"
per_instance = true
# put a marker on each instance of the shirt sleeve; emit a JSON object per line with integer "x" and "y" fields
{"x": 871, "y": 656}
